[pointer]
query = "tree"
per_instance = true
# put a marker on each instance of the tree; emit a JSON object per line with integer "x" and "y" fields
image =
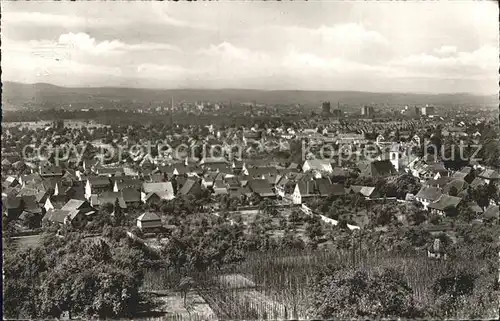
{"x": 450, "y": 286}
{"x": 356, "y": 294}
{"x": 314, "y": 230}
{"x": 185, "y": 285}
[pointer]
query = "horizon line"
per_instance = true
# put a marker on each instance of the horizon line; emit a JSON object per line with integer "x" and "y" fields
{"x": 252, "y": 89}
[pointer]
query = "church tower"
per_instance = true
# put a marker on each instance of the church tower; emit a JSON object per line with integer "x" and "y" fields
{"x": 394, "y": 156}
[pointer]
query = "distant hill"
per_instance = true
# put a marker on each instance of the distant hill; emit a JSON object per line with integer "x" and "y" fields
{"x": 41, "y": 95}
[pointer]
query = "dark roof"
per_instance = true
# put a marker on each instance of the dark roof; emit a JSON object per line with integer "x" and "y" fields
{"x": 167, "y": 169}
{"x": 99, "y": 181}
{"x": 429, "y": 193}
{"x": 307, "y": 187}
{"x": 379, "y": 168}
{"x": 445, "y": 201}
{"x": 458, "y": 184}
{"x": 257, "y": 172}
{"x": 51, "y": 171}
{"x": 261, "y": 187}
{"x": 325, "y": 187}
{"x": 14, "y": 202}
{"x": 477, "y": 182}
{"x": 440, "y": 182}
{"x": 110, "y": 197}
{"x": 110, "y": 170}
{"x": 437, "y": 168}
{"x": 232, "y": 181}
{"x": 240, "y": 191}
{"x": 57, "y": 216}
{"x": 475, "y": 207}
{"x": 30, "y": 202}
{"x": 188, "y": 187}
{"x": 123, "y": 182}
{"x": 338, "y": 171}
{"x": 131, "y": 195}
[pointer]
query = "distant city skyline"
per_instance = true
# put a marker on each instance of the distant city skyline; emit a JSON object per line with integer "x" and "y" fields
{"x": 431, "y": 47}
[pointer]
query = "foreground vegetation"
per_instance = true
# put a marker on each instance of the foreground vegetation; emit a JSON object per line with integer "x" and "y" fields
{"x": 243, "y": 271}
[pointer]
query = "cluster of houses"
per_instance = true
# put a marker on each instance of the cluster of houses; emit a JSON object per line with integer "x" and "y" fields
{"x": 444, "y": 189}
{"x": 72, "y": 197}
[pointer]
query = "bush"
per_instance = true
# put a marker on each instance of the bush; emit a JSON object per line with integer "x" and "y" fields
{"x": 351, "y": 294}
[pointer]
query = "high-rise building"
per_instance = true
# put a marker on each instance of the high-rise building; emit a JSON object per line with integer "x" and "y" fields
{"x": 367, "y": 111}
{"x": 337, "y": 113}
{"x": 428, "y": 110}
{"x": 326, "y": 107}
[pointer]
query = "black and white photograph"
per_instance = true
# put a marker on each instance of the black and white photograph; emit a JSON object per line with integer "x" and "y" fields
{"x": 250, "y": 160}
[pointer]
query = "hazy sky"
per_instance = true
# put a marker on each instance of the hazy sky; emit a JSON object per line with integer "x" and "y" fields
{"x": 367, "y": 46}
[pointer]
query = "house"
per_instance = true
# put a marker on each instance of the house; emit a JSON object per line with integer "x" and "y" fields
{"x": 457, "y": 185}
{"x": 475, "y": 208}
{"x": 492, "y": 213}
{"x": 120, "y": 183}
{"x": 340, "y": 174}
{"x": 149, "y": 222}
{"x": 76, "y": 191}
{"x": 31, "y": 204}
{"x": 107, "y": 197}
{"x": 294, "y": 167}
{"x": 437, "y": 170}
{"x": 209, "y": 178}
{"x": 243, "y": 191}
{"x": 269, "y": 173}
{"x": 191, "y": 187}
{"x": 489, "y": 175}
{"x": 427, "y": 195}
{"x": 382, "y": 168}
{"x": 261, "y": 187}
{"x": 10, "y": 181}
{"x": 317, "y": 166}
{"x": 220, "y": 191}
{"x": 157, "y": 191}
{"x": 445, "y": 202}
{"x": 12, "y": 206}
{"x": 439, "y": 183}
{"x": 326, "y": 188}
{"x": 366, "y": 191}
{"x": 477, "y": 182}
{"x": 30, "y": 180}
{"x": 82, "y": 206}
{"x": 110, "y": 171}
{"x": 238, "y": 167}
{"x": 221, "y": 167}
{"x": 465, "y": 174}
{"x": 74, "y": 212}
{"x": 131, "y": 196}
{"x": 50, "y": 171}
{"x": 96, "y": 185}
{"x": 284, "y": 186}
{"x": 303, "y": 190}
{"x": 435, "y": 250}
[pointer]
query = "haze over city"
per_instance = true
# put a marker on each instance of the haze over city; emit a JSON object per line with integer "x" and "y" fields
{"x": 431, "y": 47}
